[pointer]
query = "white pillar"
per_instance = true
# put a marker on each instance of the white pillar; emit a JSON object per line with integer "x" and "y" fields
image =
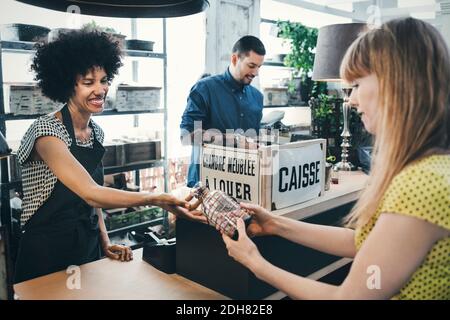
{"x": 445, "y": 30}
{"x": 226, "y": 22}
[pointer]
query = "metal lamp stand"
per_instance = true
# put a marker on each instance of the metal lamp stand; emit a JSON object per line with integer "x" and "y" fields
{"x": 344, "y": 164}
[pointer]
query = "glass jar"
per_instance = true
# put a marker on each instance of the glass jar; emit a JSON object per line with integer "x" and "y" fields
{"x": 221, "y": 210}
{"x": 335, "y": 176}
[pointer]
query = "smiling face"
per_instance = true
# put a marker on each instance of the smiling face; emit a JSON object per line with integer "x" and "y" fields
{"x": 91, "y": 90}
{"x": 245, "y": 68}
{"x": 364, "y": 98}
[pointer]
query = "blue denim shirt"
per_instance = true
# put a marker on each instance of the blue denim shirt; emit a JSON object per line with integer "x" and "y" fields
{"x": 221, "y": 103}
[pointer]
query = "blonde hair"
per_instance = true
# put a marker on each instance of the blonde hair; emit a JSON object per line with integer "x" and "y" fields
{"x": 412, "y": 64}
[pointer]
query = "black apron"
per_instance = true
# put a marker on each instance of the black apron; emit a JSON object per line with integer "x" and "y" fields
{"x": 64, "y": 230}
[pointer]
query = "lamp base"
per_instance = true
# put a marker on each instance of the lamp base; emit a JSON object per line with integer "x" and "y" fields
{"x": 345, "y": 166}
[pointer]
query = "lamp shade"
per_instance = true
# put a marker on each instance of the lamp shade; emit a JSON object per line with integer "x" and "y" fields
{"x": 125, "y": 8}
{"x": 332, "y": 43}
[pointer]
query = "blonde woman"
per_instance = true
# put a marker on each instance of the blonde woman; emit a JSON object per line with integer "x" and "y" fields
{"x": 401, "y": 224}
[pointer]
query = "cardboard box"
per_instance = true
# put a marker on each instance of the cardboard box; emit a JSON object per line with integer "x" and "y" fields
{"x": 274, "y": 177}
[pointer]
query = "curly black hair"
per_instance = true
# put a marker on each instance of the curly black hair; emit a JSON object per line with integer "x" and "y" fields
{"x": 58, "y": 63}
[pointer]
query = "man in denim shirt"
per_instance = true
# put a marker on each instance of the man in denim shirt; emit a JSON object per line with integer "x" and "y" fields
{"x": 224, "y": 103}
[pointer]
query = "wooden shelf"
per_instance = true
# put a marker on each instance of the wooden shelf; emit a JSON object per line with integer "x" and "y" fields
{"x": 11, "y": 116}
{"x": 25, "y": 46}
{"x": 135, "y": 166}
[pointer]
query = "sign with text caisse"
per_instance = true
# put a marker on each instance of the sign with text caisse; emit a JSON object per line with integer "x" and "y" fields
{"x": 299, "y": 175}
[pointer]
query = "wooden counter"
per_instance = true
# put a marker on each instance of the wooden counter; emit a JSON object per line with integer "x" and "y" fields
{"x": 109, "y": 279}
{"x": 350, "y": 184}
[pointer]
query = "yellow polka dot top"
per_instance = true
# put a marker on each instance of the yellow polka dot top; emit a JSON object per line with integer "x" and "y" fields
{"x": 421, "y": 190}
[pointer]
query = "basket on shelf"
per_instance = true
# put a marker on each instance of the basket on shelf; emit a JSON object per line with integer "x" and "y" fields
{"x": 24, "y": 32}
{"x": 137, "y": 98}
{"x": 27, "y": 99}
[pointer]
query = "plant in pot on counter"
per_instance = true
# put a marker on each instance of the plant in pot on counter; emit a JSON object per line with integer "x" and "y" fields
{"x": 324, "y": 116}
{"x": 325, "y": 121}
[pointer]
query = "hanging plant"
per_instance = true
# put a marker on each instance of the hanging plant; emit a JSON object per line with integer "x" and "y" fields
{"x": 303, "y": 41}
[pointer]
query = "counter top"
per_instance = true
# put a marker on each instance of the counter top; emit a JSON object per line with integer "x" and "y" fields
{"x": 347, "y": 190}
{"x": 107, "y": 279}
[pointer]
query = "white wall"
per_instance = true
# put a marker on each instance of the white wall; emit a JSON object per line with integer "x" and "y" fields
{"x": 226, "y": 22}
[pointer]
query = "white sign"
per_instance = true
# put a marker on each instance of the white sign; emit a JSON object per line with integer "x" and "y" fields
{"x": 299, "y": 175}
{"x": 234, "y": 171}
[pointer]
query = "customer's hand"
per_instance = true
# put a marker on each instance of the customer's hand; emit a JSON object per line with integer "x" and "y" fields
{"x": 243, "y": 250}
{"x": 262, "y": 223}
{"x": 118, "y": 252}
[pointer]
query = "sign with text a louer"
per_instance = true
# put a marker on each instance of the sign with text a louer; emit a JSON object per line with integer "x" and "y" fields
{"x": 231, "y": 170}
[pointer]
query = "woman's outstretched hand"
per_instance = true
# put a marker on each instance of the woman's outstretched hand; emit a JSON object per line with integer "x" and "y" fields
{"x": 180, "y": 208}
{"x": 193, "y": 215}
{"x": 165, "y": 199}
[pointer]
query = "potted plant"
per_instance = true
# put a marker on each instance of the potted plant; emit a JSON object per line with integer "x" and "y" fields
{"x": 301, "y": 58}
{"x": 114, "y": 34}
{"x": 327, "y": 123}
{"x": 55, "y": 33}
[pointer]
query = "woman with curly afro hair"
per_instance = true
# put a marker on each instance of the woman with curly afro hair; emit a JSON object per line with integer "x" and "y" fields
{"x": 61, "y": 159}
